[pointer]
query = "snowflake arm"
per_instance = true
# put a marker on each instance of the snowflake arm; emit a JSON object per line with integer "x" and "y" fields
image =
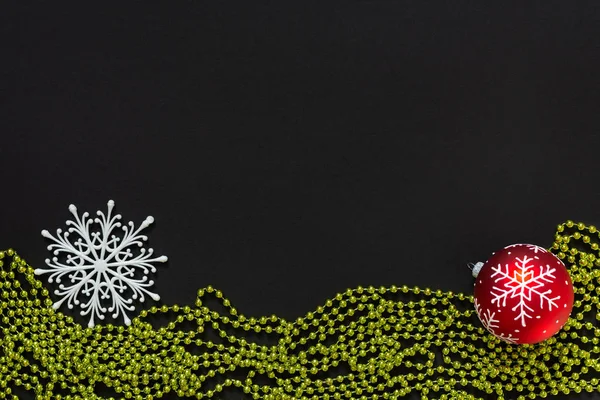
{"x": 523, "y": 308}
{"x": 532, "y": 247}
{"x": 100, "y": 260}
{"x": 502, "y": 293}
{"x": 547, "y": 276}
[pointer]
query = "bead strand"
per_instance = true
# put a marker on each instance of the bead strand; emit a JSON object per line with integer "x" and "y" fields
{"x": 364, "y": 343}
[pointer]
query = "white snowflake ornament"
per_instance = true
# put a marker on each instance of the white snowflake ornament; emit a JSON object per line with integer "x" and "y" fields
{"x": 523, "y": 294}
{"x": 101, "y": 265}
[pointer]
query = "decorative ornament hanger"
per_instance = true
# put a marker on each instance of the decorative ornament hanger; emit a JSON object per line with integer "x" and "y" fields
{"x": 513, "y": 339}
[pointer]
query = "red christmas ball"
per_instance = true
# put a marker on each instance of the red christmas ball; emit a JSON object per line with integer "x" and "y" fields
{"x": 523, "y": 294}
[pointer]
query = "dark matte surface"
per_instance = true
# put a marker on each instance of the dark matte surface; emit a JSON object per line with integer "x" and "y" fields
{"x": 290, "y": 151}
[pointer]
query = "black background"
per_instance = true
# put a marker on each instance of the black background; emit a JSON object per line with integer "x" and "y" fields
{"x": 290, "y": 150}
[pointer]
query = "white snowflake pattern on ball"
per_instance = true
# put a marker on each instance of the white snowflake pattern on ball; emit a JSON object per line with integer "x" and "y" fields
{"x": 532, "y": 247}
{"x": 490, "y": 323}
{"x": 524, "y": 285}
{"x": 101, "y": 269}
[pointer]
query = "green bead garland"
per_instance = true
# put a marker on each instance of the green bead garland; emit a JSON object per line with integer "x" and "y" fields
{"x": 365, "y": 343}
